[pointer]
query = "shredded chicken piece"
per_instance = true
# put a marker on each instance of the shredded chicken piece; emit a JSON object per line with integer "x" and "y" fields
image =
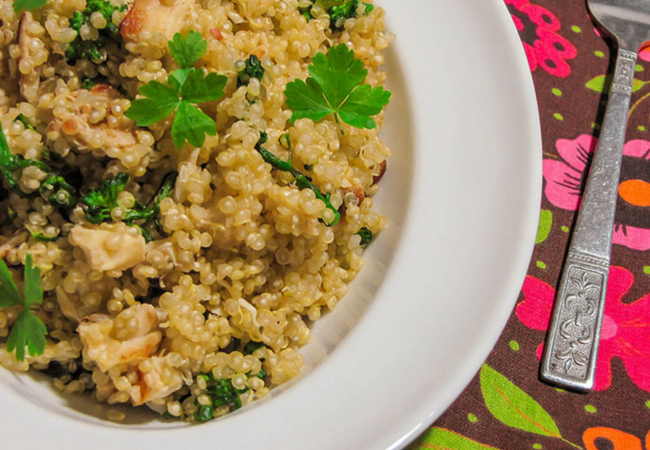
{"x": 28, "y": 82}
{"x": 162, "y": 380}
{"x": 80, "y": 125}
{"x": 110, "y": 342}
{"x": 109, "y": 246}
{"x": 69, "y": 307}
{"x": 155, "y": 16}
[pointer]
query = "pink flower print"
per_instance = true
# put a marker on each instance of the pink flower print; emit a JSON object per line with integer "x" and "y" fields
{"x": 626, "y": 326}
{"x": 538, "y": 29}
{"x": 644, "y": 54}
{"x": 565, "y": 178}
{"x": 565, "y": 181}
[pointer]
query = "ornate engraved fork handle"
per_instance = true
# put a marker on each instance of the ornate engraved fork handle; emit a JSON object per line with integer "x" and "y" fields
{"x": 572, "y": 345}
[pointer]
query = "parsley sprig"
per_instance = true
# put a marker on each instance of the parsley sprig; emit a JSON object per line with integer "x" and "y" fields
{"x": 28, "y": 330}
{"x": 185, "y": 88}
{"x": 28, "y": 5}
{"x": 336, "y": 86}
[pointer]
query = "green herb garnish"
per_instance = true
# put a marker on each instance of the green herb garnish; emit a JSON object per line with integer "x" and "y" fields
{"x": 261, "y": 374}
{"x": 54, "y": 187}
{"x": 40, "y": 237}
{"x": 28, "y": 5}
{"x": 252, "y": 69}
{"x": 366, "y": 236}
{"x": 91, "y": 49}
{"x": 98, "y": 203}
{"x": 338, "y": 10}
{"x": 251, "y": 346}
{"x": 223, "y": 393}
{"x": 28, "y": 330}
{"x": 88, "y": 83}
{"x": 336, "y": 87}
{"x": 186, "y": 87}
{"x": 303, "y": 181}
{"x": 25, "y": 121}
{"x": 205, "y": 413}
{"x": 348, "y": 10}
{"x": 188, "y": 50}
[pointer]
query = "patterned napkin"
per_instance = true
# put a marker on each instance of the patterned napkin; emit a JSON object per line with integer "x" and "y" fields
{"x": 506, "y": 406}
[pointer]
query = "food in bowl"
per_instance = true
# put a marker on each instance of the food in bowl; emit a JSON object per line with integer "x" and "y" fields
{"x": 186, "y": 186}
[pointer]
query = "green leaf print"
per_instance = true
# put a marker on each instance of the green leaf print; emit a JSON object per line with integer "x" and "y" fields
{"x": 442, "y": 439}
{"x": 599, "y": 83}
{"x": 545, "y": 222}
{"x": 514, "y": 407}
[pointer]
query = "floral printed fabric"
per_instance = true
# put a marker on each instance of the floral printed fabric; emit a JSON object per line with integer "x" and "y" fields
{"x": 506, "y": 406}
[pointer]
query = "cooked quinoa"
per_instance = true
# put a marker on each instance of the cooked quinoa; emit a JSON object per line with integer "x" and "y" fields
{"x": 208, "y": 313}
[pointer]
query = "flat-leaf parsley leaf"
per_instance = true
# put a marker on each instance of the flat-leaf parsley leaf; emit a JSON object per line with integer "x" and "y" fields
{"x": 28, "y": 330}
{"x": 188, "y": 50}
{"x": 186, "y": 87}
{"x": 336, "y": 87}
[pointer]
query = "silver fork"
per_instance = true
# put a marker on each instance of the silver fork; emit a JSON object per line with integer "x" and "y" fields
{"x": 572, "y": 344}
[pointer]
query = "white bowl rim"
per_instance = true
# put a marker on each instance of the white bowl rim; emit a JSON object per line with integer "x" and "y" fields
{"x": 329, "y": 398}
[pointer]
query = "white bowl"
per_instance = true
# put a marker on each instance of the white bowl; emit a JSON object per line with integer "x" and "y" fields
{"x": 462, "y": 196}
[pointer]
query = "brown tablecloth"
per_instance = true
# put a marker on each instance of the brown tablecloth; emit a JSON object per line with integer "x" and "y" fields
{"x": 506, "y": 406}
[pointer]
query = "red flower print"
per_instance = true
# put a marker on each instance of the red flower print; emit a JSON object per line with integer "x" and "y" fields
{"x": 544, "y": 47}
{"x": 565, "y": 182}
{"x": 626, "y": 326}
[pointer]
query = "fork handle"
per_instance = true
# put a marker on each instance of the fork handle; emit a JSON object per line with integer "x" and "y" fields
{"x": 574, "y": 333}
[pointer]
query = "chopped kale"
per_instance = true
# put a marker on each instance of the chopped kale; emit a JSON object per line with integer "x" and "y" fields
{"x": 92, "y": 49}
{"x": 303, "y": 181}
{"x": 252, "y": 69}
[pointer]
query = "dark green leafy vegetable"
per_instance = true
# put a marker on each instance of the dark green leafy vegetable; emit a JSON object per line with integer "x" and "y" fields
{"x": 92, "y": 49}
{"x": 88, "y": 83}
{"x": 222, "y": 393}
{"x": 251, "y": 346}
{"x": 285, "y": 141}
{"x": 338, "y": 10}
{"x": 261, "y": 374}
{"x": 303, "y": 181}
{"x": 28, "y": 5}
{"x": 205, "y": 413}
{"x": 348, "y": 10}
{"x": 366, "y": 236}
{"x": 98, "y": 203}
{"x": 40, "y": 236}
{"x": 28, "y": 330}
{"x": 336, "y": 87}
{"x": 252, "y": 69}
{"x": 25, "y": 121}
{"x": 306, "y": 12}
{"x": 186, "y": 88}
{"x": 54, "y": 187}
